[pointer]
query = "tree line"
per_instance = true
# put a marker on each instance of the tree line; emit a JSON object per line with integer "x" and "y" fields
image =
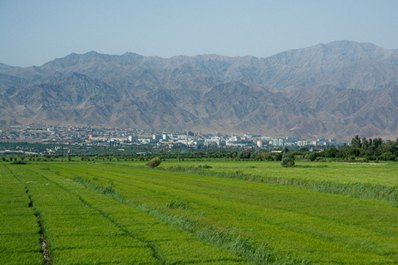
{"x": 360, "y": 149}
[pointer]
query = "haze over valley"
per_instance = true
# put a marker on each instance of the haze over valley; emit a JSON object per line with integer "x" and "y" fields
{"x": 337, "y": 90}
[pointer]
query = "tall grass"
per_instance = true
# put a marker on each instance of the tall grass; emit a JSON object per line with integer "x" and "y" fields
{"x": 357, "y": 190}
{"x": 250, "y": 220}
{"x": 257, "y": 254}
{"x": 108, "y": 190}
{"x": 21, "y": 230}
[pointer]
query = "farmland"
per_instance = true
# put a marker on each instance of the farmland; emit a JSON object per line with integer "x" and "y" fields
{"x": 229, "y": 212}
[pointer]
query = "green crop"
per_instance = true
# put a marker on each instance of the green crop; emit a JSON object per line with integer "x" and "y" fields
{"x": 362, "y": 180}
{"x": 89, "y": 226}
{"x": 224, "y": 213}
{"x": 19, "y": 230}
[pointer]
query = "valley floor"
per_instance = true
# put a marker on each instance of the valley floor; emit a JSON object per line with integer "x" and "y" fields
{"x": 207, "y": 212}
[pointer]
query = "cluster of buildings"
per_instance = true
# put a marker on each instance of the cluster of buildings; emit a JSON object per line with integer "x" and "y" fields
{"x": 115, "y": 137}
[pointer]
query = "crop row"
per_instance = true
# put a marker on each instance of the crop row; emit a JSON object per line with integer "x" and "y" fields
{"x": 19, "y": 230}
{"x": 340, "y": 172}
{"x": 87, "y": 226}
{"x": 357, "y": 189}
{"x": 286, "y": 221}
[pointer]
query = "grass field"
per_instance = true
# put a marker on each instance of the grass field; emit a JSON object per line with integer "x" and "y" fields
{"x": 365, "y": 180}
{"x": 125, "y": 213}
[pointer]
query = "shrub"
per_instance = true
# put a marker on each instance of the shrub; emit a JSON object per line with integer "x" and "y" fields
{"x": 205, "y": 166}
{"x": 313, "y": 156}
{"x": 154, "y": 162}
{"x": 288, "y": 161}
{"x": 278, "y": 157}
{"x": 19, "y": 162}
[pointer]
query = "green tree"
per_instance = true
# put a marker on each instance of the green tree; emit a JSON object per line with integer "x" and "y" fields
{"x": 312, "y": 156}
{"x": 356, "y": 142}
{"x": 364, "y": 145}
{"x": 288, "y": 161}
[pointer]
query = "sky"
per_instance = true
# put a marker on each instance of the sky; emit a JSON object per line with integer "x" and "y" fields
{"x": 33, "y": 32}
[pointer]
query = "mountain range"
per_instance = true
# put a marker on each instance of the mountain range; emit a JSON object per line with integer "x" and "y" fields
{"x": 337, "y": 90}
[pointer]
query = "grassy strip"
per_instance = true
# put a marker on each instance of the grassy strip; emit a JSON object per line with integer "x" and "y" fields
{"x": 174, "y": 245}
{"x": 80, "y": 234}
{"x": 357, "y": 190}
{"x": 108, "y": 190}
{"x": 234, "y": 243}
{"x": 258, "y": 254}
{"x": 148, "y": 229}
{"x": 122, "y": 228}
{"x": 19, "y": 230}
{"x": 320, "y": 227}
{"x": 44, "y": 245}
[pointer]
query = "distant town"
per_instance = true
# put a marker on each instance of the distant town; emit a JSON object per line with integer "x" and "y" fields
{"x": 123, "y": 138}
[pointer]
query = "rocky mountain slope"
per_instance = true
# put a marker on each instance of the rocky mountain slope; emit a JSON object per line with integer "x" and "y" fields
{"x": 337, "y": 89}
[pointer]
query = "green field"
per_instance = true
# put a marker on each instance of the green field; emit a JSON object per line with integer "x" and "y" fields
{"x": 364, "y": 180}
{"x": 183, "y": 213}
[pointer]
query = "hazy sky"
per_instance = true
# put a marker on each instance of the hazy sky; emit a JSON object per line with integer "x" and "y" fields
{"x": 33, "y": 32}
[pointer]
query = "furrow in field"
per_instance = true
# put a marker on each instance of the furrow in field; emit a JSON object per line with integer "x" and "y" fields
{"x": 358, "y": 189}
{"x": 44, "y": 246}
{"x": 50, "y": 198}
{"x": 157, "y": 188}
{"x": 260, "y": 195}
{"x": 19, "y": 231}
{"x": 119, "y": 226}
{"x": 259, "y": 254}
{"x": 172, "y": 245}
